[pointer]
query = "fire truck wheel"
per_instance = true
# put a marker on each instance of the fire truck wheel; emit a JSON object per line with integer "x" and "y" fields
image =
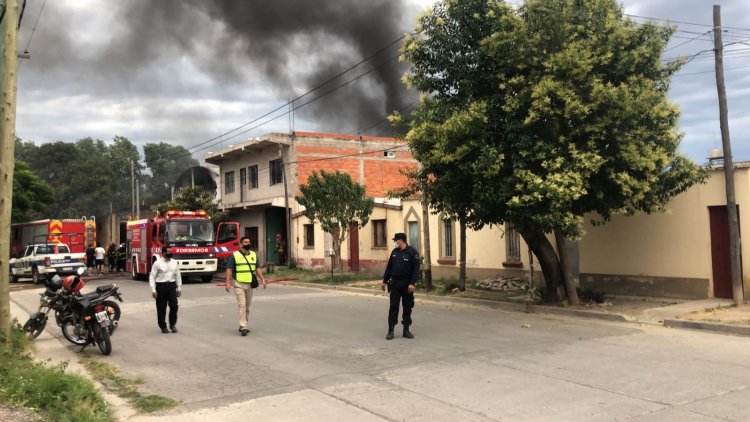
{"x": 207, "y": 278}
{"x": 134, "y": 270}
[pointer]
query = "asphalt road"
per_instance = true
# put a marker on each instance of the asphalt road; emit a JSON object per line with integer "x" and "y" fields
{"x": 321, "y": 355}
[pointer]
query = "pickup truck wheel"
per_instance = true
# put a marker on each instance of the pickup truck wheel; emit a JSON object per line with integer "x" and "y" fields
{"x": 13, "y": 277}
{"x": 35, "y": 275}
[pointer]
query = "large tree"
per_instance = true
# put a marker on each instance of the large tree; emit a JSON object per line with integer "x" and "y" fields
{"x": 166, "y": 162}
{"x": 577, "y": 123}
{"x": 338, "y": 203}
{"x": 31, "y": 195}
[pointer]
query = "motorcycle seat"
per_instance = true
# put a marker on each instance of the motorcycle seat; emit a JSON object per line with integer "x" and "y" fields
{"x": 104, "y": 289}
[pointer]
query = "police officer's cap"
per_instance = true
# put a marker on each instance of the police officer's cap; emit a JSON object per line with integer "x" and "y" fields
{"x": 400, "y": 236}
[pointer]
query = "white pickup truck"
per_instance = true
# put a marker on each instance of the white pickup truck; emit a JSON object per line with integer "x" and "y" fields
{"x": 45, "y": 260}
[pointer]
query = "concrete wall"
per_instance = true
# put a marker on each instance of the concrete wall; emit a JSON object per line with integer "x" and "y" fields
{"x": 265, "y": 192}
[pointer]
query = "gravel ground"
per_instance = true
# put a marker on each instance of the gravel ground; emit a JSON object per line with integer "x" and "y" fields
{"x": 18, "y": 414}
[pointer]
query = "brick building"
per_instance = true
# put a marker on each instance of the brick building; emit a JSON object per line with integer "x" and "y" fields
{"x": 256, "y": 190}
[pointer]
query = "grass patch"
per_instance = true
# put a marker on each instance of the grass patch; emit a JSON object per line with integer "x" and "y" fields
{"x": 153, "y": 403}
{"x": 109, "y": 376}
{"x": 47, "y": 389}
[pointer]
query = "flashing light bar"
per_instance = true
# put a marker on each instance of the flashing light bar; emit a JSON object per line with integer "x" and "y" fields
{"x": 173, "y": 213}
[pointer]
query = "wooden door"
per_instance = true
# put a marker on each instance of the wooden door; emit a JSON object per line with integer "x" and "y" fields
{"x": 354, "y": 247}
{"x": 720, "y": 263}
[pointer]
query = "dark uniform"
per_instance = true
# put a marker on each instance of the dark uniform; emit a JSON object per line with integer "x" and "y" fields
{"x": 402, "y": 270}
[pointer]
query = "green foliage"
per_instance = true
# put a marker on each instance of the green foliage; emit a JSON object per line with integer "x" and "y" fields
{"x": 194, "y": 199}
{"x": 38, "y": 386}
{"x": 166, "y": 163}
{"x": 335, "y": 201}
{"x": 544, "y": 115}
{"x": 85, "y": 176}
{"x": 338, "y": 203}
{"x": 30, "y": 193}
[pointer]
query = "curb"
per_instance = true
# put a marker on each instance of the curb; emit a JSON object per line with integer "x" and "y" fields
{"x": 739, "y": 330}
{"x": 506, "y": 306}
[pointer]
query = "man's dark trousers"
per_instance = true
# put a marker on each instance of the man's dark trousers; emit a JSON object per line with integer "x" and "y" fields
{"x": 400, "y": 293}
{"x": 166, "y": 293}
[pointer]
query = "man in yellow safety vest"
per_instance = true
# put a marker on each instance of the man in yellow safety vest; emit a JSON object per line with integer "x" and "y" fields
{"x": 242, "y": 271}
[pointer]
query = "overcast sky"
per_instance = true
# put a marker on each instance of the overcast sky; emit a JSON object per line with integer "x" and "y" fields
{"x": 186, "y": 71}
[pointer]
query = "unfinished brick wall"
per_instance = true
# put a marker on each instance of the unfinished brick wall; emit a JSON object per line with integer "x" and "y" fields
{"x": 361, "y": 157}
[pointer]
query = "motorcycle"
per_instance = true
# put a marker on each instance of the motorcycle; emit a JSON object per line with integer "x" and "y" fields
{"x": 93, "y": 318}
{"x": 51, "y": 299}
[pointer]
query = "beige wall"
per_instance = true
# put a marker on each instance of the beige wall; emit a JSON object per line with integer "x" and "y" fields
{"x": 265, "y": 192}
{"x": 662, "y": 247}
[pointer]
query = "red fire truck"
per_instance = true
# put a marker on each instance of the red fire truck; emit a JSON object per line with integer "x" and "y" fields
{"x": 76, "y": 233}
{"x": 191, "y": 237}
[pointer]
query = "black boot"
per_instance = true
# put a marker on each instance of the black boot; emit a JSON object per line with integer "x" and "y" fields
{"x": 390, "y": 334}
{"x": 407, "y": 333}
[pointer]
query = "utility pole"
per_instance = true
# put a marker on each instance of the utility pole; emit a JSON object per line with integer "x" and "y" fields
{"x": 9, "y": 29}
{"x": 132, "y": 187}
{"x": 734, "y": 231}
{"x": 287, "y": 211}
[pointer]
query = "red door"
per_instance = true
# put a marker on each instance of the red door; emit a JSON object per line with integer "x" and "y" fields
{"x": 354, "y": 248}
{"x": 227, "y": 239}
{"x": 720, "y": 263}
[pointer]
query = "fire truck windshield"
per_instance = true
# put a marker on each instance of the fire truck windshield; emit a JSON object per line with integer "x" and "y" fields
{"x": 201, "y": 231}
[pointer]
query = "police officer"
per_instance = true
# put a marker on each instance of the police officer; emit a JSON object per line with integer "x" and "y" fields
{"x": 401, "y": 274}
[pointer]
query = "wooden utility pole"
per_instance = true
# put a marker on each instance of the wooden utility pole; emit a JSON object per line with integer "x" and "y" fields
{"x": 132, "y": 187}
{"x": 9, "y": 29}
{"x": 734, "y": 231}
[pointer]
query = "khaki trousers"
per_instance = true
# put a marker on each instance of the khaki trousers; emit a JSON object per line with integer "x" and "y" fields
{"x": 244, "y": 294}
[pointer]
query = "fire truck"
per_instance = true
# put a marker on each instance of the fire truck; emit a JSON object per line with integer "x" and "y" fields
{"x": 76, "y": 233}
{"x": 192, "y": 239}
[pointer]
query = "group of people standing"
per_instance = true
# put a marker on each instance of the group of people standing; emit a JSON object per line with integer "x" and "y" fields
{"x": 95, "y": 258}
{"x": 243, "y": 275}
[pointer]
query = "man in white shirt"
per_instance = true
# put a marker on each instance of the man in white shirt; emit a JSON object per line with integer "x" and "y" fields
{"x": 166, "y": 287}
{"x": 99, "y": 257}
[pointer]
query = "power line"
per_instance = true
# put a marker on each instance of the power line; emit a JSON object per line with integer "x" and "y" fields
{"x": 684, "y": 23}
{"x": 710, "y": 71}
{"x": 36, "y": 23}
{"x": 688, "y": 41}
{"x": 299, "y": 106}
{"x": 378, "y": 52}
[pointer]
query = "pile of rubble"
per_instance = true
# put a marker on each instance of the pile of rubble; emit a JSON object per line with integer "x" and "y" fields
{"x": 501, "y": 283}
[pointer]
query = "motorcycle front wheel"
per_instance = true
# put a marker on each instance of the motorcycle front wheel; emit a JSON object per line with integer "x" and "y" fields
{"x": 32, "y": 328}
{"x": 73, "y": 332}
{"x": 101, "y": 336}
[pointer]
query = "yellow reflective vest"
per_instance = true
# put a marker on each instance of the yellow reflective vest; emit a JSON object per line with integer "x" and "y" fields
{"x": 244, "y": 266}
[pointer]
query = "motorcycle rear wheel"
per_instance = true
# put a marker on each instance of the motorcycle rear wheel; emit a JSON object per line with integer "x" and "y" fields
{"x": 102, "y": 340}
{"x": 33, "y": 329}
{"x": 114, "y": 318}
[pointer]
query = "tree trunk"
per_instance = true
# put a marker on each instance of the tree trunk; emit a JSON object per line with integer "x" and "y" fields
{"x": 426, "y": 245}
{"x": 562, "y": 251}
{"x": 462, "y": 256}
{"x": 545, "y": 253}
{"x": 338, "y": 263}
